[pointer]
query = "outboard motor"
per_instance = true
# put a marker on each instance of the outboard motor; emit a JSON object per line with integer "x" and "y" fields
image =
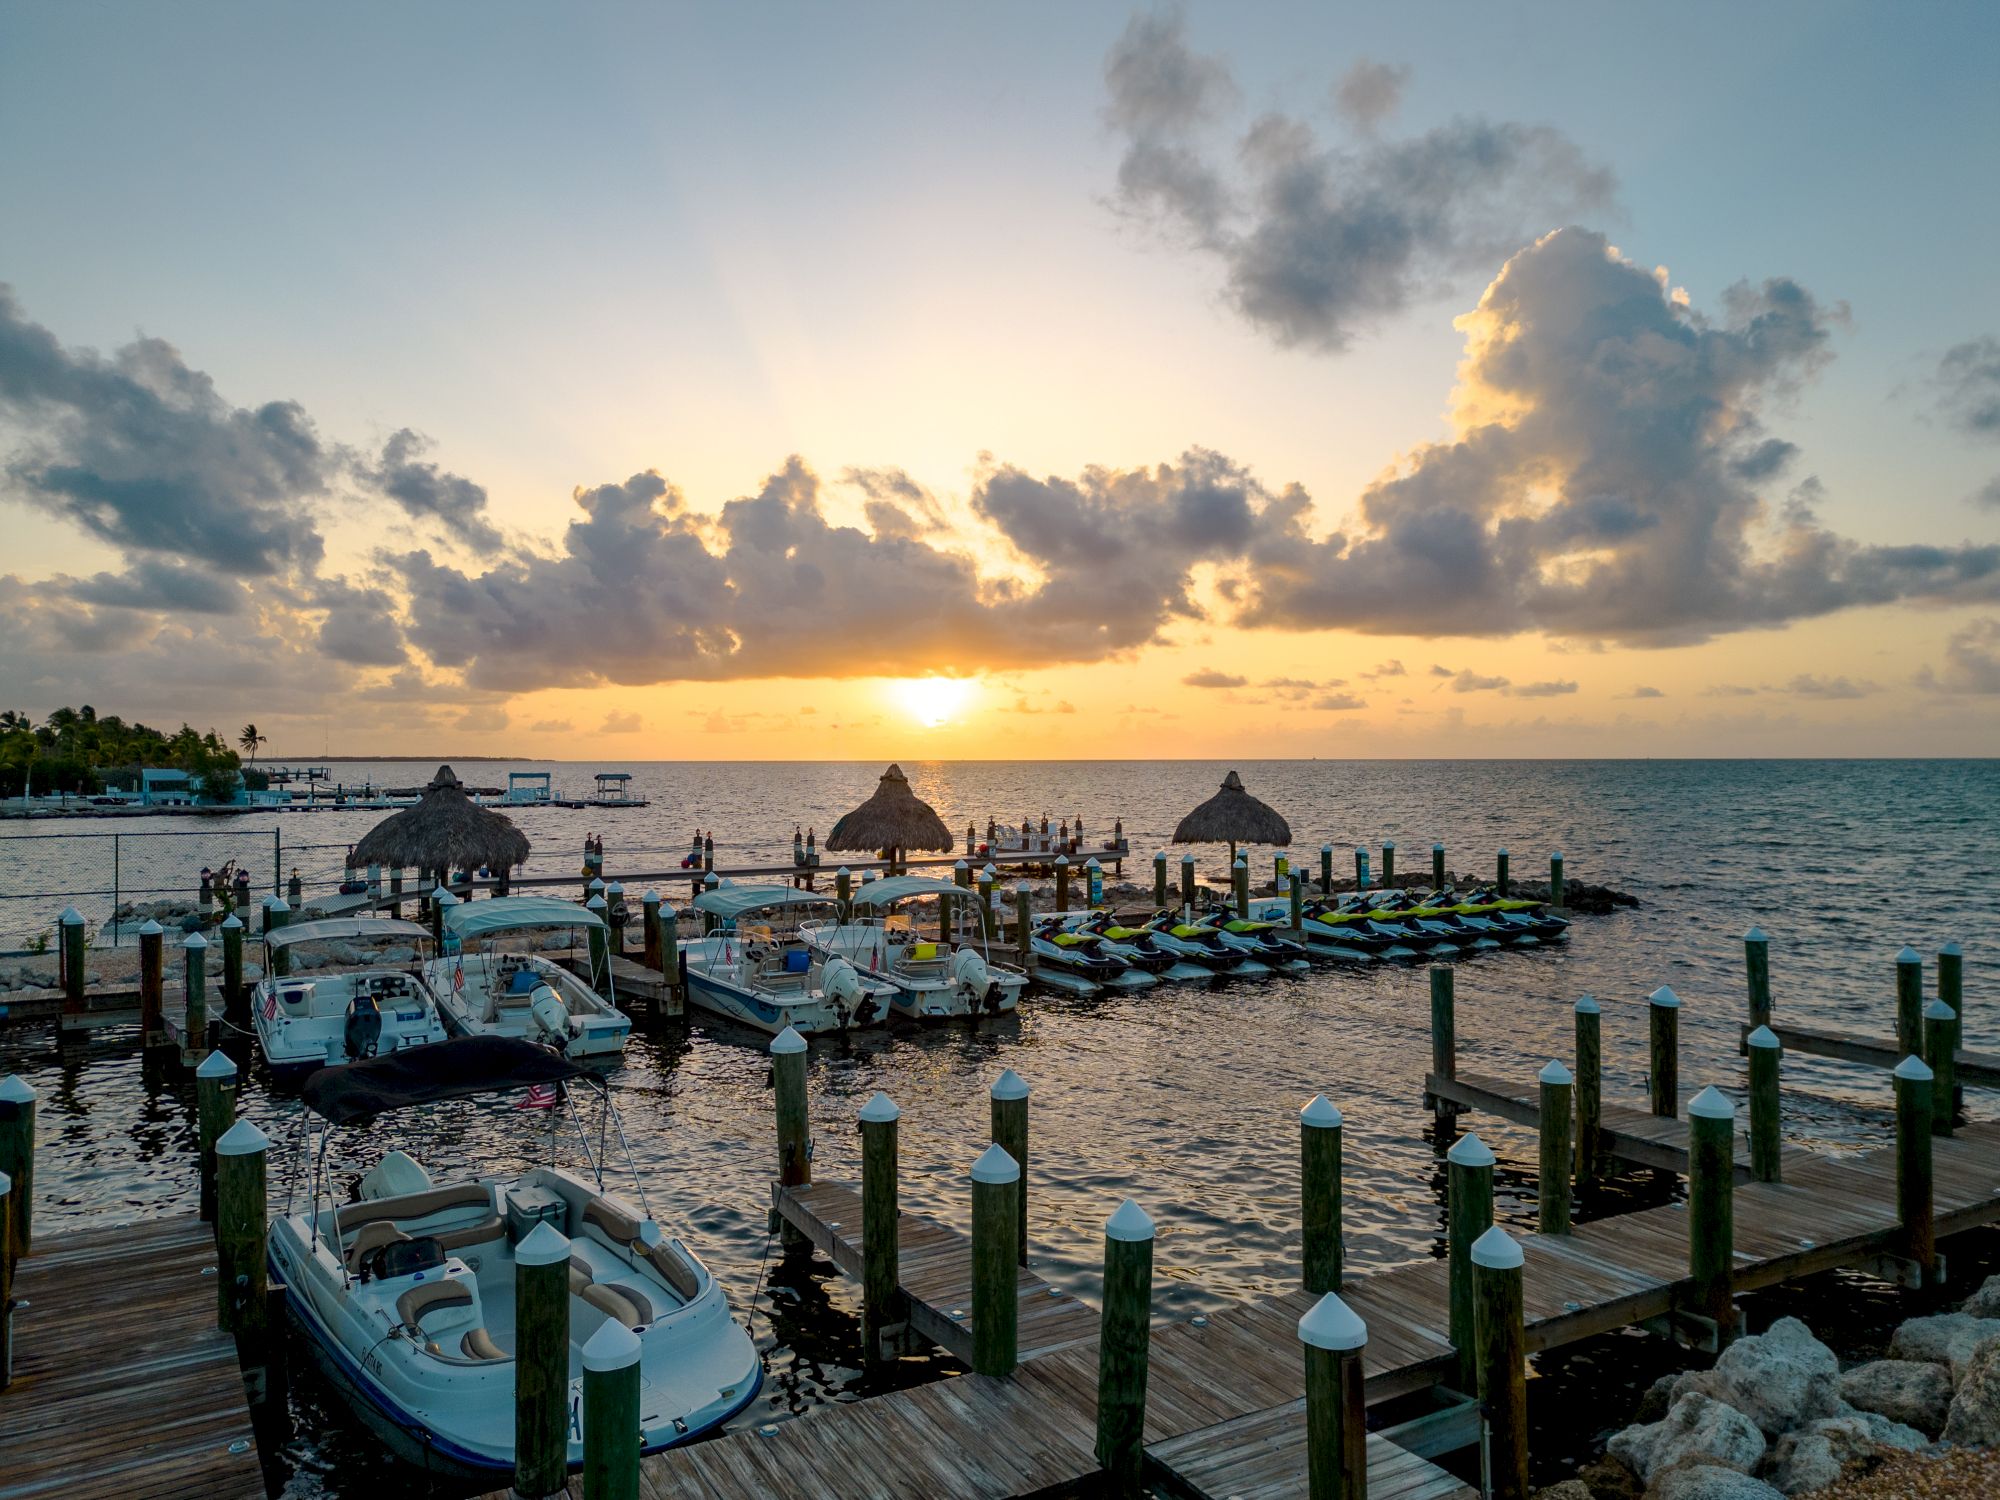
{"x": 971, "y": 977}
{"x": 550, "y": 1014}
{"x": 364, "y": 1026}
{"x": 841, "y": 983}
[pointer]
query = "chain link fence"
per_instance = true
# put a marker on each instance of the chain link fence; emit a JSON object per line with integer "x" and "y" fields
{"x": 117, "y": 880}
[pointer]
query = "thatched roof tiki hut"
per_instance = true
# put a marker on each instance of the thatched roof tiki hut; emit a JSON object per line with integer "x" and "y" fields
{"x": 1232, "y": 816}
{"x": 444, "y": 832}
{"x": 892, "y": 822}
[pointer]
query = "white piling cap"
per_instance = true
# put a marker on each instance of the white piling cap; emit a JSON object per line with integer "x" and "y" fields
{"x": 242, "y": 1139}
{"x": 279, "y": 903}
{"x": 1243, "y": 860}
{"x": 446, "y": 898}
{"x": 1062, "y": 860}
{"x": 1555, "y": 1072}
{"x": 1909, "y": 956}
{"x": 14, "y": 1089}
{"x": 995, "y": 1165}
{"x": 1437, "y": 848}
{"x": 961, "y": 865}
{"x": 1326, "y": 848}
{"x": 1497, "y": 1251}
{"x": 1188, "y": 858}
{"x": 880, "y": 1110}
{"x": 1388, "y": 843}
{"x": 1160, "y": 857}
{"x": 6, "y": 1184}
{"x": 1331, "y": 1324}
{"x": 651, "y": 898}
{"x": 616, "y": 885}
{"x": 71, "y": 917}
{"x": 595, "y": 903}
{"x": 1320, "y": 1113}
{"x": 151, "y": 929}
{"x": 1953, "y": 949}
{"x": 544, "y": 1246}
{"x": 1665, "y": 998}
{"x": 1763, "y": 1036}
{"x": 1588, "y": 1006}
{"x": 1502, "y": 850}
{"x": 1130, "y": 1223}
{"x": 218, "y": 1064}
{"x": 232, "y": 923}
{"x": 1756, "y": 935}
{"x": 786, "y": 1042}
{"x": 612, "y": 1347}
{"x": 1711, "y": 1104}
{"x": 596, "y": 884}
{"x": 1470, "y": 1151}
{"x": 1913, "y": 1069}
{"x": 196, "y": 941}
{"x": 438, "y": 890}
{"x": 1092, "y": 864}
{"x": 1010, "y": 1085}
{"x": 1555, "y": 854}
{"x": 991, "y": 871}
{"x": 1937, "y": 1010}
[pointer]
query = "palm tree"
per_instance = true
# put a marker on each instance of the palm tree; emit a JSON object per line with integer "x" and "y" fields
{"x": 250, "y": 739}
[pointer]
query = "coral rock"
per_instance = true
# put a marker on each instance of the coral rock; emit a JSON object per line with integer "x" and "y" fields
{"x": 1696, "y": 1430}
{"x": 1710, "y": 1482}
{"x": 1781, "y": 1379}
{"x": 1974, "y": 1420}
{"x": 1946, "y": 1339}
{"x": 1915, "y": 1393}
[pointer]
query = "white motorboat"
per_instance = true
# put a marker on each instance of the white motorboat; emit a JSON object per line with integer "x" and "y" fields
{"x": 933, "y": 980}
{"x": 407, "y": 1296}
{"x": 491, "y": 982}
{"x": 753, "y": 966}
{"x": 308, "y": 1019}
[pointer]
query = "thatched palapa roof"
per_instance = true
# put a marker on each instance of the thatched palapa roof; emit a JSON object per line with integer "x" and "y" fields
{"x": 445, "y": 831}
{"x": 1232, "y": 816}
{"x": 894, "y": 818}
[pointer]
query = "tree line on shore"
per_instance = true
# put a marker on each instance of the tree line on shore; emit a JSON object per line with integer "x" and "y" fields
{"x": 81, "y": 751}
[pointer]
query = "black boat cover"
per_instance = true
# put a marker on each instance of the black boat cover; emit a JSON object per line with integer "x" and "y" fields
{"x": 452, "y": 1069}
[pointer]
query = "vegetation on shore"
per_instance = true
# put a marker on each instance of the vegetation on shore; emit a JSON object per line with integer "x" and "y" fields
{"x": 78, "y": 750}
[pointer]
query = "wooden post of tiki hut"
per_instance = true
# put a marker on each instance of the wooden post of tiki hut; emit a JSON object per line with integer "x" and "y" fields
{"x": 892, "y": 822}
{"x": 1232, "y": 816}
{"x": 445, "y": 832}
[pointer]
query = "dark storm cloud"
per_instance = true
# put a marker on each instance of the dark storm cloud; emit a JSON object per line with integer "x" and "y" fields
{"x": 427, "y": 492}
{"x": 1318, "y": 241}
{"x": 360, "y": 626}
{"x": 154, "y": 583}
{"x": 1967, "y": 382}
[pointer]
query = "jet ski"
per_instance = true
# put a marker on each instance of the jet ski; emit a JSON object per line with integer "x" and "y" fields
{"x": 1532, "y": 919}
{"x": 1202, "y": 946}
{"x": 1064, "y": 955}
{"x": 1138, "y": 947}
{"x": 1259, "y": 939}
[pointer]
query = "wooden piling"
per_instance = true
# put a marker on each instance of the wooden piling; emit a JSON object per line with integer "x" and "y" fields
{"x": 1187, "y": 882}
{"x": 396, "y": 890}
{"x": 1712, "y": 1209}
{"x": 1558, "y": 1111}
{"x": 1093, "y": 883}
{"x": 1914, "y": 1198}
{"x": 1326, "y": 869}
{"x": 1468, "y": 1215}
{"x": 1910, "y": 1003}
{"x": 1160, "y": 881}
{"x": 1951, "y": 990}
{"x": 1497, "y": 1271}
{"x": 541, "y": 1363}
{"x": 70, "y": 929}
{"x": 1319, "y": 1193}
{"x": 881, "y": 1211}
{"x": 6, "y": 1281}
{"x": 987, "y": 925}
{"x": 276, "y": 914}
{"x": 215, "y": 1112}
{"x": 1239, "y": 879}
{"x": 1664, "y": 1052}
{"x": 649, "y": 932}
{"x": 1766, "y": 1146}
{"x": 195, "y": 988}
{"x": 1024, "y": 929}
{"x": 1757, "y": 972}
{"x": 1444, "y": 1034}
{"x": 243, "y": 1304}
{"x": 996, "y": 1181}
{"x": 1437, "y": 867}
{"x": 1558, "y": 896}
{"x": 1360, "y": 868}
{"x": 1297, "y": 883}
{"x": 1009, "y": 1112}
{"x": 616, "y": 915}
{"x": 1124, "y": 1331}
{"x": 1502, "y": 882}
{"x": 235, "y": 1003}
{"x": 1589, "y": 1092}
{"x": 843, "y": 891}
{"x": 1335, "y": 1339}
{"x": 1939, "y": 1045}
{"x": 611, "y": 1430}
{"x": 1062, "y": 882}
{"x": 788, "y": 1082}
{"x": 152, "y": 986}
{"x": 598, "y": 940}
{"x": 17, "y": 1156}
{"x": 1388, "y": 864}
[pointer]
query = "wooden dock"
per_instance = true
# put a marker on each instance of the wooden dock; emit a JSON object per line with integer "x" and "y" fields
{"x": 1971, "y": 1069}
{"x": 124, "y": 1388}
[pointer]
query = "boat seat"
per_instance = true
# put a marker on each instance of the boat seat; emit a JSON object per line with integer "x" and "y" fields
{"x": 414, "y": 1205}
{"x": 372, "y": 1237}
{"x": 427, "y": 1297}
{"x": 579, "y": 1277}
{"x": 619, "y": 1227}
{"x": 625, "y": 1304}
{"x": 479, "y": 1345}
{"x": 674, "y": 1269}
{"x": 492, "y": 1227}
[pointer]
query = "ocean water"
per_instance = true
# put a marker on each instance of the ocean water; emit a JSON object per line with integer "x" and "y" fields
{"x": 1182, "y": 1097}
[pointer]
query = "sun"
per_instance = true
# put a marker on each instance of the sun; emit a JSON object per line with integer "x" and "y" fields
{"x": 934, "y": 701}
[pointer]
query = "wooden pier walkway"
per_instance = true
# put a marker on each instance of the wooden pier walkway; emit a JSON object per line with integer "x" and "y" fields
{"x": 1971, "y": 1069}
{"x": 124, "y": 1388}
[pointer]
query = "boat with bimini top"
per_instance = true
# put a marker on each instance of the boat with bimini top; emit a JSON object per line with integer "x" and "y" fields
{"x": 953, "y": 976}
{"x": 754, "y": 966}
{"x": 491, "y": 982}
{"x": 307, "y": 1020}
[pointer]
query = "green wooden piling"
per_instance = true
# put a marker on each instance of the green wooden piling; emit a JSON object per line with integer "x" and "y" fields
{"x": 295, "y": 888}
{"x": 1160, "y": 880}
{"x": 987, "y": 924}
{"x": 996, "y": 1182}
{"x": 1326, "y": 869}
{"x": 243, "y": 1304}
{"x": 234, "y": 1001}
{"x": 1187, "y": 881}
{"x": 1388, "y": 864}
{"x": 1468, "y": 1215}
{"x": 611, "y": 1430}
{"x": 276, "y": 914}
{"x": 1062, "y": 882}
{"x": 1360, "y": 868}
{"x": 396, "y": 890}
{"x": 1336, "y": 1407}
{"x": 1712, "y": 1209}
{"x": 1951, "y": 990}
{"x": 215, "y": 1112}
{"x": 72, "y": 932}
{"x": 1914, "y": 1199}
{"x": 1939, "y": 1035}
{"x": 6, "y": 1281}
{"x": 1766, "y": 1145}
{"x": 788, "y": 1082}
{"x": 1444, "y": 1033}
{"x": 1502, "y": 882}
{"x": 1757, "y": 972}
{"x": 1910, "y": 1003}
{"x": 152, "y": 986}
{"x": 1558, "y": 895}
{"x": 1552, "y": 1194}
{"x": 1664, "y": 1052}
{"x": 649, "y": 932}
{"x": 195, "y": 988}
{"x": 616, "y": 915}
{"x": 843, "y": 890}
{"x": 1497, "y": 1274}
{"x": 1009, "y": 1110}
{"x": 1024, "y": 929}
{"x": 1124, "y": 1328}
{"x": 1437, "y": 867}
{"x": 1093, "y": 883}
{"x": 1298, "y": 902}
{"x": 1589, "y": 1092}
{"x": 1319, "y": 1192}
{"x": 17, "y": 1156}
{"x": 1239, "y": 881}
{"x": 881, "y": 1214}
{"x": 541, "y": 1363}
{"x": 597, "y": 937}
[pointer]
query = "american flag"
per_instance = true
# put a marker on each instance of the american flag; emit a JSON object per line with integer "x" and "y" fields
{"x": 271, "y": 1005}
{"x": 458, "y": 976}
{"x": 539, "y": 1096}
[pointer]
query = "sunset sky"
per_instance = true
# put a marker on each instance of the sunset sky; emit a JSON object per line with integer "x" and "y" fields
{"x": 872, "y": 381}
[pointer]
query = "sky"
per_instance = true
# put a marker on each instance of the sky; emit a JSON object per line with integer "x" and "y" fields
{"x": 795, "y": 382}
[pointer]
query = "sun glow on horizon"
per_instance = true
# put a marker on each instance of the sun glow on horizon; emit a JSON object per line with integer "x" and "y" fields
{"x": 934, "y": 701}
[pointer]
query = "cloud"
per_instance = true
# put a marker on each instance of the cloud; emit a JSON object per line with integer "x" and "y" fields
{"x": 428, "y": 493}
{"x": 1971, "y": 661}
{"x": 551, "y": 726}
{"x": 1642, "y": 691}
{"x": 620, "y": 723}
{"x": 1369, "y": 92}
{"x": 1385, "y": 669}
{"x": 1730, "y": 690}
{"x": 158, "y": 583}
{"x": 897, "y": 506}
{"x": 1318, "y": 241}
{"x": 1808, "y": 685}
{"x": 1542, "y": 689}
{"x": 1298, "y": 689}
{"x": 1438, "y": 669}
{"x": 1987, "y": 496}
{"x": 1471, "y": 682}
{"x": 1063, "y": 706}
{"x": 360, "y": 626}
{"x": 1967, "y": 385}
{"x": 1339, "y": 702}
{"x": 1596, "y": 487}
{"x": 482, "y": 718}
{"x": 1208, "y": 677}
